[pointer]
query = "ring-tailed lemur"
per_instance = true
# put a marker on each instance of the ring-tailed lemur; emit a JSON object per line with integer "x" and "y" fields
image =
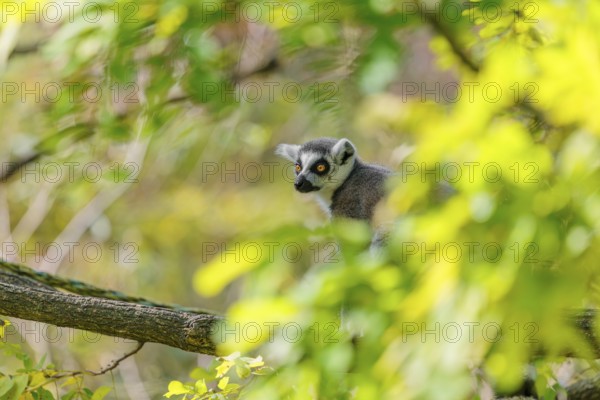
{"x": 346, "y": 186}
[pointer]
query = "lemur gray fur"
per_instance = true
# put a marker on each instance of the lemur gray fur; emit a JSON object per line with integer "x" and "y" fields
{"x": 346, "y": 186}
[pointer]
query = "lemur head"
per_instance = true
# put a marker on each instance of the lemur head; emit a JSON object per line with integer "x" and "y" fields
{"x": 321, "y": 164}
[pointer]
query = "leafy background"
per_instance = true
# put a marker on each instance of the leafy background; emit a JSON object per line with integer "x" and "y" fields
{"x": 160, "y": 98}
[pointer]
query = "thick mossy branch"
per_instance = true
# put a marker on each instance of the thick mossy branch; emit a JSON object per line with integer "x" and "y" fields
{"x": 176, "y": 328}
{"x": 11, "y": 272}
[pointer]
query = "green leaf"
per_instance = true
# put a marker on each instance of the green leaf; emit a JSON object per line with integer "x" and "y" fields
{"x": 101, "y": 392}
{"x": 242, "y": 370}
{"x": 224, "y": 368}
{"x": 177, "y": 388}
{"x": 223, "y": 383}
{"x": 20, "y": 383}
{"x": 69, "y": 395}
{"x": 86, "y": 393}
{"x": 253, "y": 362}
{"x": 27, "y": 361}
{"x": 40, "y": 364}
{"x": 5, "y": 385}
{"x": 200, "y": 386}
{"x": 43, "y": 394}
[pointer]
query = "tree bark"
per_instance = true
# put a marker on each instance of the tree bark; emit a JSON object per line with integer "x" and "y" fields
{"x": 586, "y": 389}
{"x": 182, "y": 329}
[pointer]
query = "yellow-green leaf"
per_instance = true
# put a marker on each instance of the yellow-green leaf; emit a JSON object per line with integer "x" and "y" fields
{"x": 223, "y": 383}
{"x": 176, "y": 388}
{"x": 101, "y": 392}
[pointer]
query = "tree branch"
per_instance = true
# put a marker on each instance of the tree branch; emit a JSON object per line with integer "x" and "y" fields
{"x": 434, "y": 21}
{"x": 76, "y": 132}
{"x": 441, "y": 30}
{"x": 12, "y": 272}
{"x": 176, "y": 328}
{"x": 26, "y": 49}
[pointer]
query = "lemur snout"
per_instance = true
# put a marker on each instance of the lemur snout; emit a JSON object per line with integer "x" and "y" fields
{"x": 303, "y": 185}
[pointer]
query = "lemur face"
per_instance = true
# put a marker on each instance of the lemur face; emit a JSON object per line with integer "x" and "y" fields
{"x": 321, "y": 164}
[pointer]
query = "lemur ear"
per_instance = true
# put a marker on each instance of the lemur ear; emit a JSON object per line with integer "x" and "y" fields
{"x": 342, "y": 151}
{"x": 289, "y": 151}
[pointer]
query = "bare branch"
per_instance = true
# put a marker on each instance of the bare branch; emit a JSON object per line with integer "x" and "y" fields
{"x": 114, "y": 364}
{"x": 181, "y": 329}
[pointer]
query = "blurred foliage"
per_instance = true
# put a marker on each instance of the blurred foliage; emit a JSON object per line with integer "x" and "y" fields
{"x": 219, "y": 373}
{"x": 156, "y": 123}
{"x": 32, "y": 379}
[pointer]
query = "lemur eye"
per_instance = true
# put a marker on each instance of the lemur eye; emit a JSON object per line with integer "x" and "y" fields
{"x": 321, "y": 167}
{"x": 298, "y": 168}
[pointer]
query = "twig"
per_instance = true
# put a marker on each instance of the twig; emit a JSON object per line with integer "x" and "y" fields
{"x": 27, "y": 49}
{"x": 443, "y": 31}
{"x": 77, "y": 131}
{"x": 14, "y": 167}
{"x": 114, "y": 364}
